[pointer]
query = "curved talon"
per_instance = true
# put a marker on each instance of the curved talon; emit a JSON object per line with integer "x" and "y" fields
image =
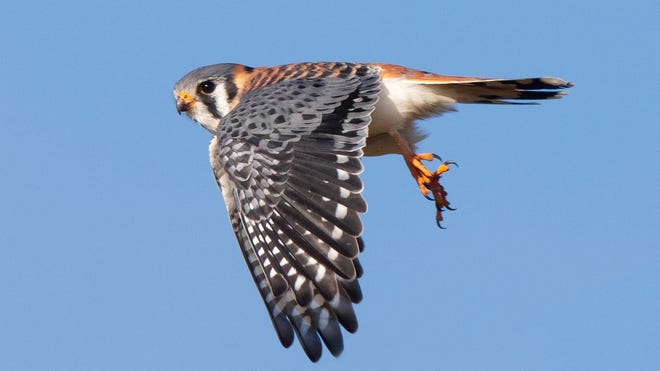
{"x": 428, "y": 180}
{"x": 450, "y": 208}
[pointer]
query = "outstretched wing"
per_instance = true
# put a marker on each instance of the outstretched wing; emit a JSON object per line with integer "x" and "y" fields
{"x": 287, "y": 159}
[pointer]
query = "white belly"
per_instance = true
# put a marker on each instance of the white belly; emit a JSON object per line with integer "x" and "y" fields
{"x": 400, "y": 103}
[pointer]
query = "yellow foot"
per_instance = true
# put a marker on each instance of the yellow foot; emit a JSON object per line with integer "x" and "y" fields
{"x": 428, "y": 182}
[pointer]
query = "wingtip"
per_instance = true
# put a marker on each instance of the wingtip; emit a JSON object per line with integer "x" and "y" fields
{"x": 557, "y": 82}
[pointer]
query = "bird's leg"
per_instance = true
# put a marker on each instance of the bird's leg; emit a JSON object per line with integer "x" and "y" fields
{"x": 427, "y": 181}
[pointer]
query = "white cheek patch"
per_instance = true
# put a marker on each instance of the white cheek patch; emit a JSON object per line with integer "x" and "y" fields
{"x": 220, "y": 97}
{"x": 202, "y": 116}
{"x": 201, "y": 113}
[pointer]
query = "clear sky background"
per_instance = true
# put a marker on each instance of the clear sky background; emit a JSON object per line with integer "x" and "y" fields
{"x": 116, "y": 252}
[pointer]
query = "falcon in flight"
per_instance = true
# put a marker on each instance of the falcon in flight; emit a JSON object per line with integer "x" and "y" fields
{"x": 286, "y": 153}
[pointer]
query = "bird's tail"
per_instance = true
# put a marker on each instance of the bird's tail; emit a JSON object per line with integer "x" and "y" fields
{"x": 409, "y": 95}
{"x": 459, "y": 89}
{"x": 499, "y": 91}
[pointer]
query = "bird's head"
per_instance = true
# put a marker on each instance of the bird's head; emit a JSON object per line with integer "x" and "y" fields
{"x": 205, "y": 94}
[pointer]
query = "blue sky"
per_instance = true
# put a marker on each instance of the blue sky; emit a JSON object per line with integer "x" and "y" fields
{"x": 116, "y": 252}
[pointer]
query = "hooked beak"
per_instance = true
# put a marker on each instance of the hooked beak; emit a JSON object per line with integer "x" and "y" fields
{"x": 184, "y": 102}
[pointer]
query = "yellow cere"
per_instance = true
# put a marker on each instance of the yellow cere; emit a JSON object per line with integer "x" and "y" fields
{"x": 185, "y": 97}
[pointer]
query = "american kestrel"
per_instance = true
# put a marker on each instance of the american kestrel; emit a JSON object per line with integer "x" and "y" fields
{"x": 286, "y": 153}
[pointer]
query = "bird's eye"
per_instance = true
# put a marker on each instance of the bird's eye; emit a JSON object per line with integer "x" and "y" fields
{"x": 207, "y": 87}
